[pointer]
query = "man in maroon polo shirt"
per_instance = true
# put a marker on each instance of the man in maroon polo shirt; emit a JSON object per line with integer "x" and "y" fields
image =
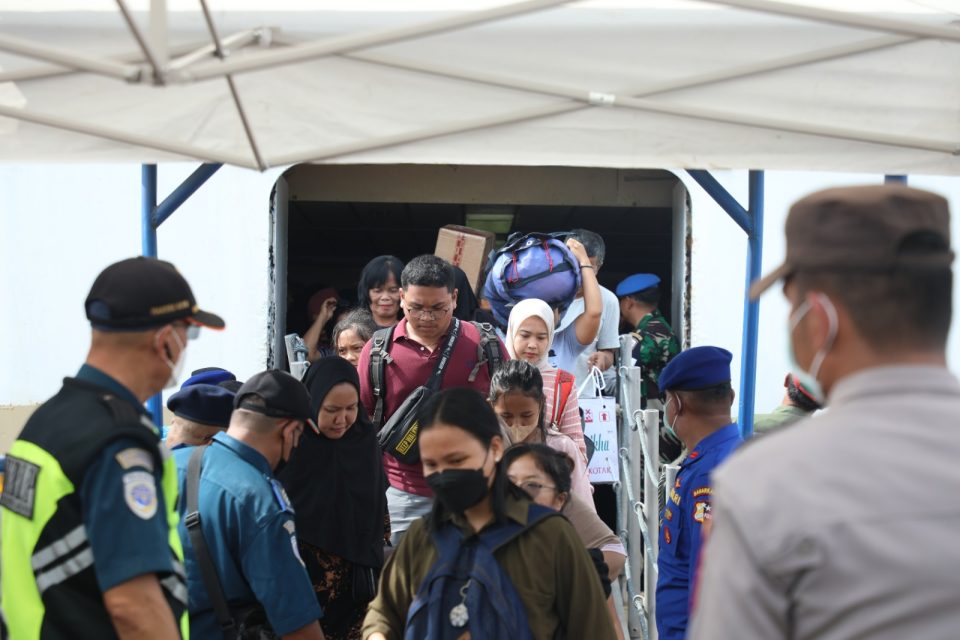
{"x": 427, "y": 297}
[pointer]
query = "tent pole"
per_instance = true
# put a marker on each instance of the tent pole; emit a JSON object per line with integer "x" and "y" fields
{"x": 159, "y": 77}
{"x": 68, "y": 58}
{"x": 149, "y": 142}
{"x": 846, "y": 19}
{"x": 355, "y": 42}
{"x": 148, "y": 247}
{"x": 751, "y": 221}
{"x": 180, "y": 195}
{"x": 751, "y": 308}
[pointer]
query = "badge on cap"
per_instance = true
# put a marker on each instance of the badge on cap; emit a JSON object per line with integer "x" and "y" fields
{"x": 140, "y": 493}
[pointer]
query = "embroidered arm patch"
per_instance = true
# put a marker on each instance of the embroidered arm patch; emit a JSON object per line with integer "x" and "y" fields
{"x": 20, "y": 486}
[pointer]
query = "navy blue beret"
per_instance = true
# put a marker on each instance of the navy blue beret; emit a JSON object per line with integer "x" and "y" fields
{"x": 210, "y": 375}
{"x": 203, "y": 403}
{"x": 696, "y": 368}
{"x": 636, "y": 283}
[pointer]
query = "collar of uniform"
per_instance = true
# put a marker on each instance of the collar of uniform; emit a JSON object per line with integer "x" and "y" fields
{"x": 245, "y": 452}
{"x": 715, "y": 439}
{"x": 791, "y": 410}
{"x": 401, "y": 332}
{"x": 893, "y": 381}
{"x": 647, "y": 319}
{"x": 517, "y": 509}
{"x": 97, "y": 377}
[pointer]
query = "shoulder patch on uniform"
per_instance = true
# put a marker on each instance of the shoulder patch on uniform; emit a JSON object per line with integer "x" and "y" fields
{"x": 130, "y": 458}
{"x": 702, "y": 491}
{"x": 140, "y": 493}
{"x": 701, "y": 511}
{"x": 674, "y": 497}
{"x": 20, "y": 486}
{"x": 281, "y": 495}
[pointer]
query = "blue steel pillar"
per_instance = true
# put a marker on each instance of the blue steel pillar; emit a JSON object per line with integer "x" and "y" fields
{"x": 148, "y": 247}
{"x": 751, "y": 221}
{"x": 751, "y": 308}
{"x": 895, "y": 179}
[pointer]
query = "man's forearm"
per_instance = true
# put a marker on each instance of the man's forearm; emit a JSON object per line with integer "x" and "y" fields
{"x": 139, "y": 610}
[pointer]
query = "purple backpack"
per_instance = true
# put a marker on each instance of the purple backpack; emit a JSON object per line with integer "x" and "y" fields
{"x": 532, "y": 265}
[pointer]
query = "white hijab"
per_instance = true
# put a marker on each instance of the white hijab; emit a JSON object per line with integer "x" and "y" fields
{"x": 531, "y": 307}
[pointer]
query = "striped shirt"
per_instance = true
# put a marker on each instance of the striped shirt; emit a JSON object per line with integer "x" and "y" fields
{"x": 569, "y": 422}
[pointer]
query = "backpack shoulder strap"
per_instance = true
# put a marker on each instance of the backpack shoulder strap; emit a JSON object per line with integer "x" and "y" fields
{"x": 496, "y": 537}
{"x": 561, "y": 392}
{"x": 488, "y": 350}
{"x": 379, "y": 358}
{"x": 208, "y": 572}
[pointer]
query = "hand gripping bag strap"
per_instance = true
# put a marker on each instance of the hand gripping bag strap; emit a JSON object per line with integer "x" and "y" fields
{"x": 208, "y": 572}
{"x": 379, "y": 358}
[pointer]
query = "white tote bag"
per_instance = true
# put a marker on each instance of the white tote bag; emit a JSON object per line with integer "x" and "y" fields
{"x": 600, "y": 427}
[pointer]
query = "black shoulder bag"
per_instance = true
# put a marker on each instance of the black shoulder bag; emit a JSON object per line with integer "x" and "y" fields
{"x": 398, "y": 436}
{"x": 246, "y": 623}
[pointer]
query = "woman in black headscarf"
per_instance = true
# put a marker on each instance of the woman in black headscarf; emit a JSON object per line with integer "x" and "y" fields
{"x": 336, "y": 484}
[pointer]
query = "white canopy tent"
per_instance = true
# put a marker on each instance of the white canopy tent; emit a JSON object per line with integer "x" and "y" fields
{"x": 670, "y": 83}
{"x": 676, "y": 84}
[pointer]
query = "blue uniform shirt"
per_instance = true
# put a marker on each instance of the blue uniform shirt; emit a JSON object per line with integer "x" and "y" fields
{"x": 687, "y": 507}
{"x": 124, "y": 511}
{"x": 249, "y": 529}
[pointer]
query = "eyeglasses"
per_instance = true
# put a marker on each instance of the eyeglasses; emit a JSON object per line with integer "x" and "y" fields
{"x": 534, "y": 488}
{"x": 423, "y": 314}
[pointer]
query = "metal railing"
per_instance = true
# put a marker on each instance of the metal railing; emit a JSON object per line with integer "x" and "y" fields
{"x": 638, "y": 515}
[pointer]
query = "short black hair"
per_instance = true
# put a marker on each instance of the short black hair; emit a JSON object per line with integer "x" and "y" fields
{"x": 709, "y": 398}
{"x": 650, "y": 295}
{"x": 593, "y": 243}
{"x": 428, "y": 271}
{"x": 375, "y": 274}
{"x": 556, "y": 464}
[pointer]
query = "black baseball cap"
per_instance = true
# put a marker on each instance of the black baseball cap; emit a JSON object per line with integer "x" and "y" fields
{"x": 142, "y": 293}
{"x": 284, "y": 397}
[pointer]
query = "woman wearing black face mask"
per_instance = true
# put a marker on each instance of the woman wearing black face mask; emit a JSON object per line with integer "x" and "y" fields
{"x": 486, "y": 562}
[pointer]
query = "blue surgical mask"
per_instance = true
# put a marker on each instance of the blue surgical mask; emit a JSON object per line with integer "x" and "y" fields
{"x": 809, "y": 377}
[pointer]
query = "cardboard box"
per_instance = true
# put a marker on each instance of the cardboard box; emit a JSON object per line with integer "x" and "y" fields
{"x": 465, "y": 248}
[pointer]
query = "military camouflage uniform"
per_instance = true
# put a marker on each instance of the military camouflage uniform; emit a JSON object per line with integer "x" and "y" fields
{"x": 656, "y": 346}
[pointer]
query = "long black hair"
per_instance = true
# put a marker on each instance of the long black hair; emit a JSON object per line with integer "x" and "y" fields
{"x": 466, "y": 409}
{"x": 376, "y": 274}
{"x": 519, "y": 376}
{"x": 555, "y": 464}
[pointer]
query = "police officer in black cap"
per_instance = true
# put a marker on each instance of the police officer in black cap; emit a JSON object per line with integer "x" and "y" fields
{"x": 88, "y": 541}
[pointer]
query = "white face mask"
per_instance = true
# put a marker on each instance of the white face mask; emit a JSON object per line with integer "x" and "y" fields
{"x": 666, "y": 423}
{"x": 176, "y": 368}
{"x": 809, "y": 377}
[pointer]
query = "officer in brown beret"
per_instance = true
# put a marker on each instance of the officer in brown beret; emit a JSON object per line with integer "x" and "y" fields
{"x": 833, "y": 528}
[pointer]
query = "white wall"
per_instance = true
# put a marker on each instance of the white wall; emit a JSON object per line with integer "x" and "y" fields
{"x": 719, "y": 268}
{"x": 61, "y": 224}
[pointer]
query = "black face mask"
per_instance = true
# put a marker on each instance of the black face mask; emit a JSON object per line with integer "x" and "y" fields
{"x": 459, "y": 489}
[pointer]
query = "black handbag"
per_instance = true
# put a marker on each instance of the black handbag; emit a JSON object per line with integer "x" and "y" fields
{"x": 248, "y": 622}
{"x": 398, "y": 436}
